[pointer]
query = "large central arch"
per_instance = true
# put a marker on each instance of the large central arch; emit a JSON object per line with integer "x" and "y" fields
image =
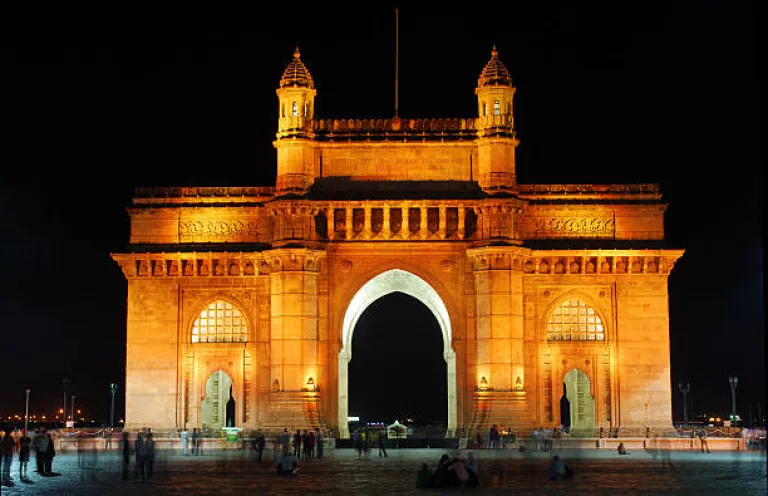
{"x": 388, "y": 282}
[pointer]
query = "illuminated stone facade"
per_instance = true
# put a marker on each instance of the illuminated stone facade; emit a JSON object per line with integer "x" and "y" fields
{"x": 528, "y": 283}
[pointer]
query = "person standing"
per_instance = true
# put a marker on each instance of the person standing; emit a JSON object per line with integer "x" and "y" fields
{"x": 7, "y": 446}
{"x": 49, "y": 454}
{"x": 703, "y": 440}
{"x": 149, "y": 456}
{"x": 40, "y": 443}
{"x": 383, "y": 442}
{"x": 195, "y": 442}
{"x": 25, "y": 446}
{"x": 319, "y": 441}
{"x": 260, "y": 443}
{"x": 126, "y": 447}
{"x": 184, "y": 441}
{"x": 297, "y": 444}
{"x": 138, "y": 448}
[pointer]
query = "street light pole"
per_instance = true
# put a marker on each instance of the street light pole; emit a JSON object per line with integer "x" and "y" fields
{"x": 733, "y": 381}
{"x": 684, "y": 389}
{"x": 73, "y": 410}
{"x": 113, "y": 389}
{"x": 26, "y": 412}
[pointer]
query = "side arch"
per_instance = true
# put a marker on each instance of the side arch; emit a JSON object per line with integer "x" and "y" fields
{"x": 391, "y": 281}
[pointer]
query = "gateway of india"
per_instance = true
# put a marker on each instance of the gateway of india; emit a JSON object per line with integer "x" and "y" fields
{"x": 551, "y": 299}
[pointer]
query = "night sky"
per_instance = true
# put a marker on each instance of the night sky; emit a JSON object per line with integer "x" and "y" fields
{"x": 658, "y": 93}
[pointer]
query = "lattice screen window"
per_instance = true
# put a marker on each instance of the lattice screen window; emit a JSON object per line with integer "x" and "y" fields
{"x": 220, "y": 323}
{"x": 573, "y": 320}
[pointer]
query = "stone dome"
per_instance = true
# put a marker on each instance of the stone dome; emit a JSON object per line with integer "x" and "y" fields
{"x": 296, "y": 74}
{"x": 494, "y": 73}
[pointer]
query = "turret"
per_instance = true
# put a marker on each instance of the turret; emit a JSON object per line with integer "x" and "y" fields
{"x": 295, "y": 154}
{"x": 495, "y": 127}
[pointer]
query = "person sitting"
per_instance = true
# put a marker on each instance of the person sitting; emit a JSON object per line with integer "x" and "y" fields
{"x": 558, "y": 470}
{"x": 424, "y": 477}
{"x": 286, "y": 463}
{"x": 459, "y": 471}
{"x": 472, "y": 469}
{"x": 622, "y": 450}
{"x": 443, "y": 476}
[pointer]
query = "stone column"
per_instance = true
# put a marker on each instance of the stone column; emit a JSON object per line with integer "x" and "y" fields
{"x": 331, "y": 225}
{"x": 385, "y": 229}
{"x": 499, "y": 331}
{"x": 348, "y": 224}
{"x": 442, "y": 222}
{"x": 294, "y": 326}
{"x": 461, "y": 228}
{"x": 405, "y": 228}
{"x": 367, "y": 222}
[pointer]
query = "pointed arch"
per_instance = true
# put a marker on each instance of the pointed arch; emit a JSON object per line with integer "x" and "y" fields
{"x": 220, "y": 321}
{"x": 391, "y": 281}
{"x": 574, "y": 317}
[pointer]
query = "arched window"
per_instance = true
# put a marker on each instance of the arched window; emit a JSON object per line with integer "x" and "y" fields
{"x": 485, "y": 109}
{"x": 294, "y": 110}
{"x": 574, "y": 320}
{"x": 496, "y": 108}
{"x": 220, "y": 322}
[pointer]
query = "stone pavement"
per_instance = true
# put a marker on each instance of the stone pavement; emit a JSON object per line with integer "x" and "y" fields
{"x": 341, "y": 472}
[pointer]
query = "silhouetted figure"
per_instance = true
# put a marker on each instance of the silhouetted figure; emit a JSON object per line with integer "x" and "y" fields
{"x": 558, "y": 470}
{"x": 285, "y": 439}
{"x": 319, "y": 440}
{"x": 473, "y": 469}
{"x": 138, "y": 449}
{"x": 195, "y": 441}
{"x": 702, "y": 434}
{"x": 260, "y": 443}
{"x": 424, "y": 477}
{"x": 297, "y": 444}
{"x": 50, "y": 453}
{"x": 184, "y": 442}
{"x": 383, "y": 442}
{"x": 230, "y": 409}
{"x": 25, "y": 446}
{"x": 149, "y": 456}
{"x": 40, "y": 443}
{"x": 7, "y": 445}
{"x": 621, "y": 449}
{"x": 126, "y": 448}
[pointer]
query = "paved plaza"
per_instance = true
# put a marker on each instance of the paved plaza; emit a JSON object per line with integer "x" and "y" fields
{"x": 342, "y": 472}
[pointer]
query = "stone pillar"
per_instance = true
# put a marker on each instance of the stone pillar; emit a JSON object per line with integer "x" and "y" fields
{"x": 385, "y": 229}
{"x": 442, "y": 222}
{"x": 294, "y": 336}
{"x": 499, "y": 332}
{"x": 367, "y": 222}
{"x": 348, "y": 224}
{"x": 331, "y": 225}
{"x": 423, "y": 230}
{"x": 405, "y": 228}
{"x": 461, "y": 227}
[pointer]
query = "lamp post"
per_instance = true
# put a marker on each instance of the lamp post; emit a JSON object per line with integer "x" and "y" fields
{"x": 73, "y": 411}
{"x": 733, "y": 381}
{"x": 26, "y": 412}
{"x": 65, "y": 385}
{"x": 684, "y": 389}
{"x": 113, "y": 389}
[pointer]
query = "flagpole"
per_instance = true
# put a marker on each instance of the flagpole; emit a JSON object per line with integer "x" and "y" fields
{"x": 397, "y": 62}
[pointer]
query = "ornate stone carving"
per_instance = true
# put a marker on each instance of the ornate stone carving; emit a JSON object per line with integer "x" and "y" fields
{"x": 573, "y": 226}
{"x": 196, "y": 231}
{"x": 446, "y": 265}
{"x": 345, "y": 265}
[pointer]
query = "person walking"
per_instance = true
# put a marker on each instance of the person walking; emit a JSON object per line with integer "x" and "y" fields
{"x": 319, "y": 441}
{"x": 383, "y": 442}
{"x": 25, "y": 446}
{"x": 195, "y": 442}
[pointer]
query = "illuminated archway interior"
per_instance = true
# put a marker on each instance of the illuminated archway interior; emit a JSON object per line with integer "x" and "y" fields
{"x": 392, "y": 281}
{"x": 214, "y": 405}
{"x": 581, "y": 402}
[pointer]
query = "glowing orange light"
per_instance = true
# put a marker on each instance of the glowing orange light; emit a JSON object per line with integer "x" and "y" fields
{"x": 61, "y": 410}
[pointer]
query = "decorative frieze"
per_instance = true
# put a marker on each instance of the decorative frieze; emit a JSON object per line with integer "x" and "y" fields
{"x": 560, "y": 227}
{"x": 162, "y": 265}
{"x": 206, "y": 231}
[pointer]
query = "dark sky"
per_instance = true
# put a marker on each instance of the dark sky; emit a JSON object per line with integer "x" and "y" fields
{"x": 94, "y": 108}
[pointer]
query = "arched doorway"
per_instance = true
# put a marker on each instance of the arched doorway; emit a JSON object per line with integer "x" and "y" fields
{"x": 397, "y": 370}
{"x": 392, "y": 281}
{"x": 581, "y": 404}
{"x": 213, "y": 409}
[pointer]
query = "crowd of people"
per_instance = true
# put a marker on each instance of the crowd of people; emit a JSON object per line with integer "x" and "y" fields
{"x": 23, "y": 442}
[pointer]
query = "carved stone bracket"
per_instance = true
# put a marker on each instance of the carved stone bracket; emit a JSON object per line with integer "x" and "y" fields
{"x": 183, "y": 265}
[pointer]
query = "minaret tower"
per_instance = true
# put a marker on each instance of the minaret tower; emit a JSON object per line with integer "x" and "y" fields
{"x": 295, "y": 153}
{"x": 495, "y": 127}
